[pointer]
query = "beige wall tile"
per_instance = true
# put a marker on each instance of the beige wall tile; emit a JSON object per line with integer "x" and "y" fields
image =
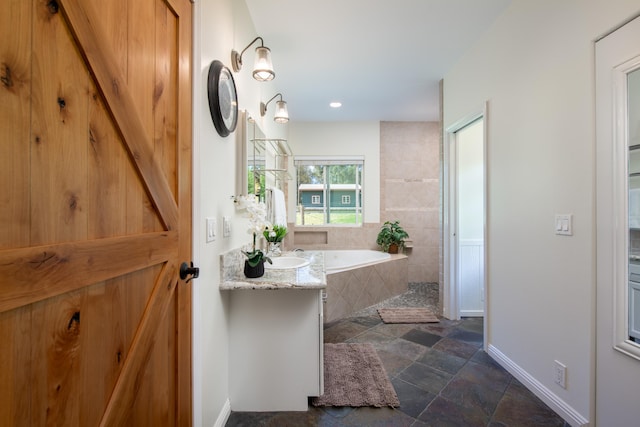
{"x": 411, "y": 193}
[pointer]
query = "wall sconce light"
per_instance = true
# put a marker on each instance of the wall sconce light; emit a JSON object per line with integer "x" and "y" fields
{"x": 282, "y": 114}
{"x": 262, "y": 67}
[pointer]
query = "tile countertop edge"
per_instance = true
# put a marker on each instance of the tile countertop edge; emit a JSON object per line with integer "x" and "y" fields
{"x": 312, "y": 276}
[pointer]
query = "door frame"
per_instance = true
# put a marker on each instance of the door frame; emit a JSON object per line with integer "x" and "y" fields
{"x": 450, "y": 301}
{"x": 616, "y": 359}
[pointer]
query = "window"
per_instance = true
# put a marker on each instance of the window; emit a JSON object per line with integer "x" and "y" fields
{"x": 329, "y": 190}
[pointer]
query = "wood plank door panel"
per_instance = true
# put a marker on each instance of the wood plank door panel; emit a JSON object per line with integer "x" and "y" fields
{"x": 15, "y": 94}
{"x": 95, "y": 212}
{"x": 60, "y": 85}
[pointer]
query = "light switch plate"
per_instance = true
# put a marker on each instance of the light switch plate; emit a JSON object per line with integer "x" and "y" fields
{"x": 564, "y": 224}
{"x": 211, "y": 229}
{"x": 226, "y": 226}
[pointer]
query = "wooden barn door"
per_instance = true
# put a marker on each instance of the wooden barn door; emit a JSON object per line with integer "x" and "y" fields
{"x": 95, "y": 212}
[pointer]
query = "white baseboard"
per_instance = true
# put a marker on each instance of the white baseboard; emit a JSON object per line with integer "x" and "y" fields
{"x": 224, "y": 414}
{"x": 561, "y": 407}
{"x": 471, "y": 313}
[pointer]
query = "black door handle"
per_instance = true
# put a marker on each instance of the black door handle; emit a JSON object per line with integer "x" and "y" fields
{"x": 187, "y": 270}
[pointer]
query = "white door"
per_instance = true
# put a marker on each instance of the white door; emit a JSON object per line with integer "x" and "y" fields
{"x": 617, "y": 355}
{"x": 470, "y": 173}
{"x": 464, "y": 294}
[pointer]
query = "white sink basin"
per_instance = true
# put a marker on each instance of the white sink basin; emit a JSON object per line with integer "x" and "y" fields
{"x": 285, "y": 262}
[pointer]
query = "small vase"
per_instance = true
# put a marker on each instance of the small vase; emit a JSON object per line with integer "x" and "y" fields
{"x": 254, "y": 272}
{"x": 273, "y": 249}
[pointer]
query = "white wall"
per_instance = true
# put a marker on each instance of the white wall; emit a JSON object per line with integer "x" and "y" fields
{"x": 219, "y": 27}
{"x": 535, "y": 67}
{"x": 342, "y": 139}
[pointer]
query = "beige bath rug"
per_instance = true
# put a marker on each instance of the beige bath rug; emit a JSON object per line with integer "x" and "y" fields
{"x": 407, "y": 315}
{"x": 354, "y": 376}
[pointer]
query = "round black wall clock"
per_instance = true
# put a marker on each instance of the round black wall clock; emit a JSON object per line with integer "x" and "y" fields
{"x": 223, "y": 99}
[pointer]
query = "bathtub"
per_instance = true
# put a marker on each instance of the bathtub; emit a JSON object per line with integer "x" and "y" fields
{"x": 360, "y": 278}
{"x": 342, "y": 260}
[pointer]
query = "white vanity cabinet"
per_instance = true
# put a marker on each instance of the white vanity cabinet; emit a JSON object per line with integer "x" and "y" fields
{"x": 276, "y": 342}
{"x": 275, "y": 334}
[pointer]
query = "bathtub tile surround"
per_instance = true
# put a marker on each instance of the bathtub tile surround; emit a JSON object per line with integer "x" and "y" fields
{"x": 333, "y": 237}
{"x": 354, "y": 289}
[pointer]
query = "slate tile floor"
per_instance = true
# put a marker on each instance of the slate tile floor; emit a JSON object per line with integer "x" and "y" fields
{"x": 439, "y": 371}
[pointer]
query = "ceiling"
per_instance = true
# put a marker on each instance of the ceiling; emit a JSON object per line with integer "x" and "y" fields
{"x": 382, "y": 59}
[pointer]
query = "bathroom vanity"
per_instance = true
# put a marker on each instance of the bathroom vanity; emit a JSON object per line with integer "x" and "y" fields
{"x": 275, "y": 334}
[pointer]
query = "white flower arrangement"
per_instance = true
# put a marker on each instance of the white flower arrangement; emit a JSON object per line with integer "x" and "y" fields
{"x": 257, "y": 213}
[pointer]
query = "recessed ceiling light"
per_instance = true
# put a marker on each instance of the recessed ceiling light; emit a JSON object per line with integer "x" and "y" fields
{"x": 335, "y": 104}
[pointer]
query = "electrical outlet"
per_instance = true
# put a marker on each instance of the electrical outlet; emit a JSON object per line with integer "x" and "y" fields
{"x": 560, "y": 374}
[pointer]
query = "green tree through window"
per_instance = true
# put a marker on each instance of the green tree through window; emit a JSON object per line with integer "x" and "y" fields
{"x": 324, "y": 186}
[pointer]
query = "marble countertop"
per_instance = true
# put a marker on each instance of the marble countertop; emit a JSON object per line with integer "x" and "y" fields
{"x": 312, "y": 276}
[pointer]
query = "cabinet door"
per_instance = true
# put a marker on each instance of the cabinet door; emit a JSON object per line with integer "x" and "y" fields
{"x": 275, "y": 349}
{"x": 634, "y": 310}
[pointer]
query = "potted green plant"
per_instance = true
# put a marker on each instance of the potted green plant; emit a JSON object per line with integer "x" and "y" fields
{"x": 274, "y": 235}
{"x": 391, "y": 237}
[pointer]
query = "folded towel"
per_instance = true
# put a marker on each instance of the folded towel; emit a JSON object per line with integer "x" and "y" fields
{"x": 279, "y": 207}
